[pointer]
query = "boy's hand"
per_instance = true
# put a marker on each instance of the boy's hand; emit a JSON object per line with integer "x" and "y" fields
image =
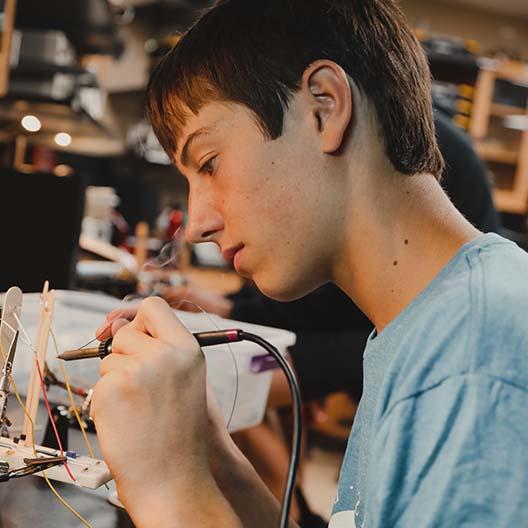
{"x": 150, "y": 410}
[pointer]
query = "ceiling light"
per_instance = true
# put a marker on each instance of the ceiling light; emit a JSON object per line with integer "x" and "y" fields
{"x": 62, "y": 139}
{"x": 31, "y": 123}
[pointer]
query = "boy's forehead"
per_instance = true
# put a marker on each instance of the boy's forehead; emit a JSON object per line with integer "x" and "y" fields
{"x": 212, "y": 117}
{"x": 207, "y": 115}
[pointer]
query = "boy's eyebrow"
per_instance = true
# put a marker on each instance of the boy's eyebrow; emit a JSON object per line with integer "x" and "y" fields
{"x": 203, "y": 131}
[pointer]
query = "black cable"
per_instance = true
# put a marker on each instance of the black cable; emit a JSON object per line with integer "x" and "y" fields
{"x": 297, "y": 425}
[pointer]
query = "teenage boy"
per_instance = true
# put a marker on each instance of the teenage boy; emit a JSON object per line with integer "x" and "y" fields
{"x": 305, "y": 131}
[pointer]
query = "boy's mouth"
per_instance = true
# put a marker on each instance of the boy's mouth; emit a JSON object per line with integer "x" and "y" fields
{"x": 229, "y": 254}
{"x": 236, "y": 259}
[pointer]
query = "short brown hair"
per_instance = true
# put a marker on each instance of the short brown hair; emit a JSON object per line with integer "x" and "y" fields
{"x": 255, "y": 53}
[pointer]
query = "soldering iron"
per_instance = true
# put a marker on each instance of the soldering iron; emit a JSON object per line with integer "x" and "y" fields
{"x": 221, "y": 337}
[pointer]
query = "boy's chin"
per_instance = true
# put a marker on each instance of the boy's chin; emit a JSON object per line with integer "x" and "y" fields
{"x": 283, "y": 292}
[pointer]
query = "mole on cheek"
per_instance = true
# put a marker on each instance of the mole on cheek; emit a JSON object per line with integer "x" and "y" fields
{"x": 395, "y": 263}
{"x": 406, "y": 242}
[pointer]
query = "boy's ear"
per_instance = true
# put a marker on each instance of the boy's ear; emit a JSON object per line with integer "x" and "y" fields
{"x": 330, "y": 100}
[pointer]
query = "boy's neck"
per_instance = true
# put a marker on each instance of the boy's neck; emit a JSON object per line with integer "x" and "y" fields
{"x": 407, "y": 231}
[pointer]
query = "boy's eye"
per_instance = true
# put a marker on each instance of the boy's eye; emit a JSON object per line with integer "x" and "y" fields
{"x": 208, "y": 166}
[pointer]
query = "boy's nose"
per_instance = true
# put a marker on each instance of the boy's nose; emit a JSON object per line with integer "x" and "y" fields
{"x": 203, "y": 223}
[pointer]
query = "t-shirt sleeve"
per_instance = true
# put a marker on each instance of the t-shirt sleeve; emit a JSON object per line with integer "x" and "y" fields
{"x": 453, "y": 455}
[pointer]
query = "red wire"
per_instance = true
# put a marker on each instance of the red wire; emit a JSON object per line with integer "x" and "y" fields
{"x": 52, "y": 421}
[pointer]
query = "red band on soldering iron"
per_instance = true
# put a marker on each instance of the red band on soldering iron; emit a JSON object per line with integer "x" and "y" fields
{"x": 233, "y": 335}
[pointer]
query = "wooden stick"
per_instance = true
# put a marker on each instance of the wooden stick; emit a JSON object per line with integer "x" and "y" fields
{"x": 47, "y": 303}
{"x": 141, "y": 250}
{"x": 5, "y": 44}
{"x": 12, "y": 306}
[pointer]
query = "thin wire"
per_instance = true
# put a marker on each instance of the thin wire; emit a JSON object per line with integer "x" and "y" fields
{"x": 63, "y": 501}
{"x": 89, "y": 343}
{"x": 66, "y": 378}
{"x": 70, "y": 395}
{"x": 233, "y": 357}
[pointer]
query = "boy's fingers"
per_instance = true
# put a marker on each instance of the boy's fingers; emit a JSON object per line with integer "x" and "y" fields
{"x": 128, "y": 312}
{"x": 110, "y": 328}
{"x": 156, "y": 318}
{"x": 129, "y": 341}
{"x": 117, "y": 324}
{"x": 105, "y": 331}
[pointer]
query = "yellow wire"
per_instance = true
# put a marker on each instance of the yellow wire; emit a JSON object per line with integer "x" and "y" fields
{"x": 50, "y": 485}
{"x": 19, "y": 399}
{"x": 61, "y": 499}
{"x": 72, "y": 401}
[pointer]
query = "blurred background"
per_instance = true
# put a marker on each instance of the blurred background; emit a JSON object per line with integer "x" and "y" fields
{"x": 79, "y": 161}
{"x": 90, "y": 201}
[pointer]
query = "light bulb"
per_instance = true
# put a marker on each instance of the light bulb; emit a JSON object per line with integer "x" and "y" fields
{"x": 63, "y": 139}
{"x": 31, "y": 123}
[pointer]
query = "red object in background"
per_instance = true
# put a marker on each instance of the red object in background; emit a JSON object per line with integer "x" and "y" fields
{"x": 176, "y": 219}
{"x": 44, "y": 159}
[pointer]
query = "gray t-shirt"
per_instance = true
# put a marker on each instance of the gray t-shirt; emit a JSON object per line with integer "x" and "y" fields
{"x": 441, "y": 434}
